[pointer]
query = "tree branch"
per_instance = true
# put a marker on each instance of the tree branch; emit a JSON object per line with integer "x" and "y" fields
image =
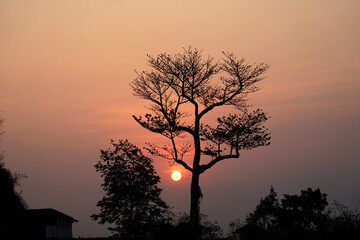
{"x": 205, "y": 167}
{"x": 181, "y": 162}
{"x": 170, "y": 153}
{"x": 223, "y": 102}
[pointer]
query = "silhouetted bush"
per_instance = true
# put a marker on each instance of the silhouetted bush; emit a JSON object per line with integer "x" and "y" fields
{"x": 208, "y": 230}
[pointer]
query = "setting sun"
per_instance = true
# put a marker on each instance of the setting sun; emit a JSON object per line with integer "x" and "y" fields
{"x": 176, "y": 176}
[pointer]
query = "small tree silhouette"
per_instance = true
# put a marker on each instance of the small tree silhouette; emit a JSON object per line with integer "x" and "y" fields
{"x": 183, "y": 83}
{"x": 132, "y": 198}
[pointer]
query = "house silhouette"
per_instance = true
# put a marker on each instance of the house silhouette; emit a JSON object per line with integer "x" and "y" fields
{"x": 48, "y": 224}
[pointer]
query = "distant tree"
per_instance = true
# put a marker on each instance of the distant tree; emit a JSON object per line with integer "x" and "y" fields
{"x": 12, "y": 205}
{"x": 263, "y": 222}
{"x": 296, "y": 217}
{"x": 266, "y": 212}
{"x": 304, "y": 216}
{"x": 233, "y": 227}
{"x": 182, "y": 83}
{"x": 345, "y": 224}
{"x": 132, "y": 198}
{"x": 1, "y": 124}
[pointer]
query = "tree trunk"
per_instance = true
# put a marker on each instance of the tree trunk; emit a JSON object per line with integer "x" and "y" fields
{"x": 195, "y": 192}
{"x": 195, "y": 206}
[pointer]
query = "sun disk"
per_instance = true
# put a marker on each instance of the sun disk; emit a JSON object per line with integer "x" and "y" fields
{"x": 176, "y": 176}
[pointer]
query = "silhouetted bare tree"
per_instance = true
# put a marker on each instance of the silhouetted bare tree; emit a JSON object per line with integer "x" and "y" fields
{"x": 180, "y": 84}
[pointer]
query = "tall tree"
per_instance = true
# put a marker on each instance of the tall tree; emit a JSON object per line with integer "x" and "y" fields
{"x": 132, "y": 198}
{"x": 184, "y": 88}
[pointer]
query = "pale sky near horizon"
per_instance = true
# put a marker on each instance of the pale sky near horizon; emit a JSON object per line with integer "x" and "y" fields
{"x": 65, "y": 69}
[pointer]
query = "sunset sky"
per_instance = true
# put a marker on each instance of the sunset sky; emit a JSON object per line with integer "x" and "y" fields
{"x": 65, "y": 69}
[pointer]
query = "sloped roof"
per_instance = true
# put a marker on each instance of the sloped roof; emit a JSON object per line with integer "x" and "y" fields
{"x": 48, "y": 213}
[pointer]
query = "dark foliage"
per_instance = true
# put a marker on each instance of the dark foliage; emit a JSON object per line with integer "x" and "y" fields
{"x": 132, "y": 198}
{"x": 12, "y": 206}
{"x": 300, "y": 217}
{"x": 344, "y": 224}
{"x": 208, "y": 230}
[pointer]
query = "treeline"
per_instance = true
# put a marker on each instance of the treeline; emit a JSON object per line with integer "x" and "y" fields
{"x": 133, "y": 204}
{"x": 307, "y": 216}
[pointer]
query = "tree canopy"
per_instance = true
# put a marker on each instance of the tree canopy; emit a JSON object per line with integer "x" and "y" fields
{"x": 177, "y": 82}
{"x": 182, "y": 89}
{"x": 132, "y": 198}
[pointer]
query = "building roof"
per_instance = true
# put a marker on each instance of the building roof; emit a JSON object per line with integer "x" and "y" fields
{"x": 48, "y": 213}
